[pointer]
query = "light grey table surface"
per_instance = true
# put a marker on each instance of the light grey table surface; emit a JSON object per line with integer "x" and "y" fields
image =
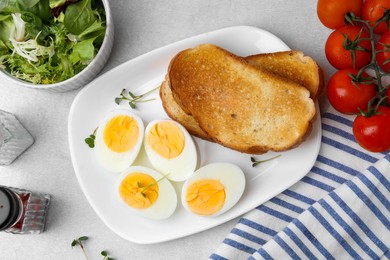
{"x": 140, "y": 27}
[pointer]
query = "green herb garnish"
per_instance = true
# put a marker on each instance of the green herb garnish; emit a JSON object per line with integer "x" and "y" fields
{"x": 105, "y": 255}
{"x": 132, "y": 98}
{"x": 256, "y": 162}
{"x": 150, "y": 185}
{"x": 90, "y": 140}
{"x": 78, "y": 242}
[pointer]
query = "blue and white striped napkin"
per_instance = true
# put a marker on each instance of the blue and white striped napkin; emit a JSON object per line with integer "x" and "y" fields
{"x": 339, "y": 210}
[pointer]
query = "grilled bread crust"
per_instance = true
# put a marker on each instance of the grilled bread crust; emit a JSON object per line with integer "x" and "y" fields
{"x": 292, "y": 65}
{"x": 235, "y": 103}
{"x": 175, "y": 112}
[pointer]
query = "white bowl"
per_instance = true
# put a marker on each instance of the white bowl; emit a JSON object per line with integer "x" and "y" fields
{"x": 84, "y": 76}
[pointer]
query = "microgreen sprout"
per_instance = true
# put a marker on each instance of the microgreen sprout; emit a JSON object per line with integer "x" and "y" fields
{"x": 78, "y": 242}
{"x": 90, "y": 140}
{"x": 256, "y": 162}
{"x": 132, "y": 98}
{"x": 105, "y": 255}
{"x": 150, "y": 185}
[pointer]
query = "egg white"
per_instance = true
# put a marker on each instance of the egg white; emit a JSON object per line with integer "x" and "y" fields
{"x": 230, "y": 175}
{"x": 166, "y": 202}
{"x": 111, "y": 160}
{"x": 179, "y": 168}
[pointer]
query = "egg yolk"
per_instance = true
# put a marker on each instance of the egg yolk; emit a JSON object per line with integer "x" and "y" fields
{"x": 205, "y": 197}
{"x": 166, "y": 139}
{"x": 139, "y": 190}
{"x": 121, "y": 133}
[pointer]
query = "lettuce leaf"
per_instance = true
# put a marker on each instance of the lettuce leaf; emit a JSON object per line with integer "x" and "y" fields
{"x": 28, "y": 3}
{"x": 6, "y": 27}
{"x": 9, "y": 6}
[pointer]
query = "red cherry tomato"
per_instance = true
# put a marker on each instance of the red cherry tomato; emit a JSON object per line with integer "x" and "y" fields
{"x": 383, "y": 53}
{"x": 373, "y": 133}
{"x": 373, "y": 10}
{"x": 341, "y": 58}
{"x": 344, "y": 96}
{"x": 332, "y": 12}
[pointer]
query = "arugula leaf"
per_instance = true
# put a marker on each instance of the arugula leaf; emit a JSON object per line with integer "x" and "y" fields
{"x": 79, "y": 17}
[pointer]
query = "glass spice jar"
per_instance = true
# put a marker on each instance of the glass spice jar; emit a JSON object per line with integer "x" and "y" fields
{"x": 22, "y": 211}
{"x": 14, "y": 138}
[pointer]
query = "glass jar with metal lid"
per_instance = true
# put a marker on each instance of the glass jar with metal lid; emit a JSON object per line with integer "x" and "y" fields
{"x": 22, "y": 211}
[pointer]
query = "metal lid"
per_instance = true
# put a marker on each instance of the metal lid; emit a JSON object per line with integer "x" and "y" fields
{"x": 13, "y": 208}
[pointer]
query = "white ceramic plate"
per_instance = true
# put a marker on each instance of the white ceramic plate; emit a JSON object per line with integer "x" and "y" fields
{"x": 145, "y": 73}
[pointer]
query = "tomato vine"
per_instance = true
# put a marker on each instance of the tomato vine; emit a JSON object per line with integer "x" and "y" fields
{"x": 364, "y": 93}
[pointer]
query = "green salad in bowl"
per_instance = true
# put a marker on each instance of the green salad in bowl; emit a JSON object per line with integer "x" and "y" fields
{"x": 50, "y": 41}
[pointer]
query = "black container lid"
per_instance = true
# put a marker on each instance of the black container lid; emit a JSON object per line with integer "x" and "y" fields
{"x": 14, "y": 209}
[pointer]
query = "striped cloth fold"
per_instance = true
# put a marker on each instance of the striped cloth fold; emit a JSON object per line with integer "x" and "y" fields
{"x": 339, "y": 210}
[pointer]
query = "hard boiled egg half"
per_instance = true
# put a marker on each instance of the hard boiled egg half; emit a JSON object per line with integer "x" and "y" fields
{"x": 147, "y": 193}
{"x": 170, "y": 149}
{"x": 118, "y": 139}
{"x": 213, "y": 189}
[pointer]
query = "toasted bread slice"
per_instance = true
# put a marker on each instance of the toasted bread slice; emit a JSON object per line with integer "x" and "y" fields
{"x": 292, "y": 65}
{"x": 239, "y": 105}
{"x": 175, "y": 112}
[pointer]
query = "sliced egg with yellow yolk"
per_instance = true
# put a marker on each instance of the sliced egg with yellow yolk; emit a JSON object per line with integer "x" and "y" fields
{"x": 213, "y": 189}
{"x": 147, "y": 193}
{"x": 119, "y": 139}
{"x": 170, "y": 149}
